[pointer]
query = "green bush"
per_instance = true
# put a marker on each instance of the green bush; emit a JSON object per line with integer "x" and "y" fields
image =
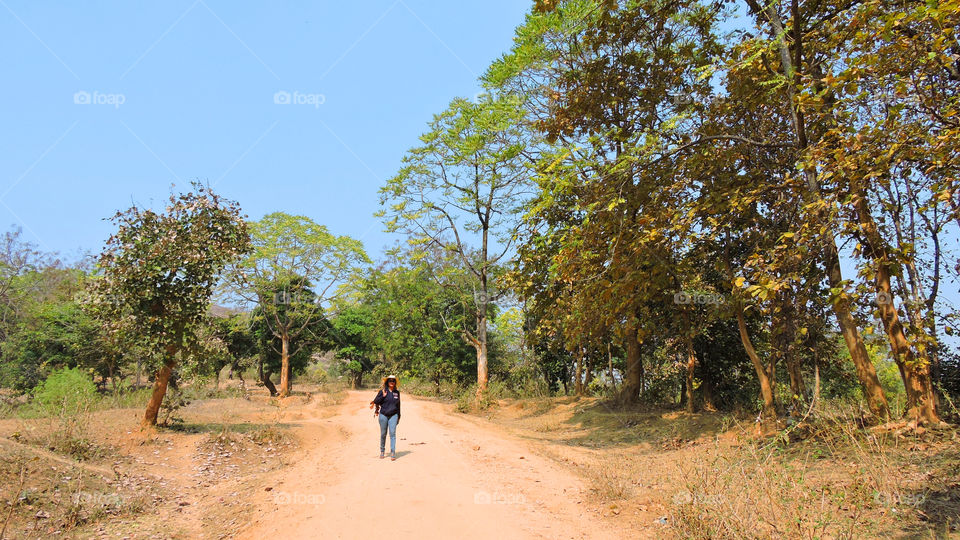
{"x": 315, "y": 374}
{"x": 465, "y": 401}
{"x": 173, "y": 401}
{"x": 890, "y": 380}
{"x": 129, "y": 397}
{"x": 467, "y": 397}
{"x": 66, "y": 391}
{"x": 418, "y": 387}
{"x": 450, "y": 390}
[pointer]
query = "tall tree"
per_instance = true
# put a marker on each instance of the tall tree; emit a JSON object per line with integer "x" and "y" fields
{"x": 295, "y": 269}
{"x": 352, "y": 329}
{"x": 459, "y": 193}
{"x": 158, "y": 271}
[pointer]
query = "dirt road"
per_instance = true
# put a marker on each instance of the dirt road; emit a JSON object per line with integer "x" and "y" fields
{"x": 454, "y": 477}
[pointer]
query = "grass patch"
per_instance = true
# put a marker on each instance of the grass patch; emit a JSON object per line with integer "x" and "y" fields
{"x": 611, "y": 479}
{"x": 269, "y": 435}
{"x": 829, "y": 478}
{"x": 41, "y": 496}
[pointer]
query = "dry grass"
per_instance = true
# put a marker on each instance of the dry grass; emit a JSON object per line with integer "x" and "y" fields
{"x": 612, "y": 479}
{"x": 545, "y": 424}
{"x": 65, "y": 433}
{"x": 748, "y": 493}
{"x": 57, "y": 499}
{"x": 329, "y": 396}
{"x": 838, "y": 481}
{"x": 269, "y": 436}
{"x": 142, "y": 484}
{"x": 666, "y": 473}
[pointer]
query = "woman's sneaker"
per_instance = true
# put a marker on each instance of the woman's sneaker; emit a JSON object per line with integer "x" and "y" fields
{"x": 393, "y": 456}
{"x": 381, "y": 454}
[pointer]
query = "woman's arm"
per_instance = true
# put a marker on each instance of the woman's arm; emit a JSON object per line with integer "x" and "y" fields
{"x": 377, "y": 401}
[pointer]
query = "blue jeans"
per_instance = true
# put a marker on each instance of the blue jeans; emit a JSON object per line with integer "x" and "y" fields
{"x": 388, "y": 422}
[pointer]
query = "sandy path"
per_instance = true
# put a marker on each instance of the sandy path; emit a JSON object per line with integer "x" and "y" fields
{"x": 453, "y": 478}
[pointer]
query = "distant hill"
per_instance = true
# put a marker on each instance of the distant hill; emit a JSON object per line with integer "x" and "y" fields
{"x": 222, "y": 312}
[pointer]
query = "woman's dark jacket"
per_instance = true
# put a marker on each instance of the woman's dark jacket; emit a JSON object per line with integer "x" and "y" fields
{"x": 388, "y": 403}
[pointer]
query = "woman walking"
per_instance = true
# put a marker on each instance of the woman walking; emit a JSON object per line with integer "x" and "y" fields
{"x": 387, "y": 411}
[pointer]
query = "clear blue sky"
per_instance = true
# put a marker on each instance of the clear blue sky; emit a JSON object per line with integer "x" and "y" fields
{"x": 107, "y": 103}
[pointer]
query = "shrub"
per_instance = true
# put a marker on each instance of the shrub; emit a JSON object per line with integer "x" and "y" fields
{"x": 268, "y": 435}
{"x": 466, "y": 399}
{"x": 419, "y": 387}
{"x": 67, "y": 391}
{"x": 171, "y": 405}
{"x": 449, "y": 390}
{"x": 128, "y": 397}
{"x": 315, "y": 374}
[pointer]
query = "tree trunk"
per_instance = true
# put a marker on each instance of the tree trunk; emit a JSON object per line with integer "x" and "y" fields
{"x": 481, "y": 347}
{"x": 265, "y": 378}
{"x": 548, "y": 378}
{"x": 588, "y": 376}
{"x": 866, "y": 373}
{"x": 921, "y": 402}
{"x": 787, "y": 347}
{"x": 113, "y": 377}
{"x": 269, "y": 384}
{"x": 578, "y": 373}
{"x": 797, "y": 388}
{"x": 613, "y": 382}
{"x": 566, "y": 379}
{"x": 159, "y": 390}
{"x": 707, "y": 394}
{"x": 765, "y": 375}
{"x": 284, "y": 365}
{"x": 630, "y": 391}
{"x": 691, "y": 365}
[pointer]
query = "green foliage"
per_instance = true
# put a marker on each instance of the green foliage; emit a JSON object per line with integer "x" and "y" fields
{"x": 316, "y": 374}
{"x": 157, "y": 272}
{"x": 446, "y": 390}
{"x": 352, "y": 334}
{"x": 889, "y": 376}
{"x": 457, "y": 197}
{"x": 410, "y": 324}
{"x": 50, "y": 331}
{"x": 268, "y": 347}
{"x": 295, "y": 270}
{"x": 172, "y": 404}
{"x": 70, "y": 390}
{"x": 680, "y": 160}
